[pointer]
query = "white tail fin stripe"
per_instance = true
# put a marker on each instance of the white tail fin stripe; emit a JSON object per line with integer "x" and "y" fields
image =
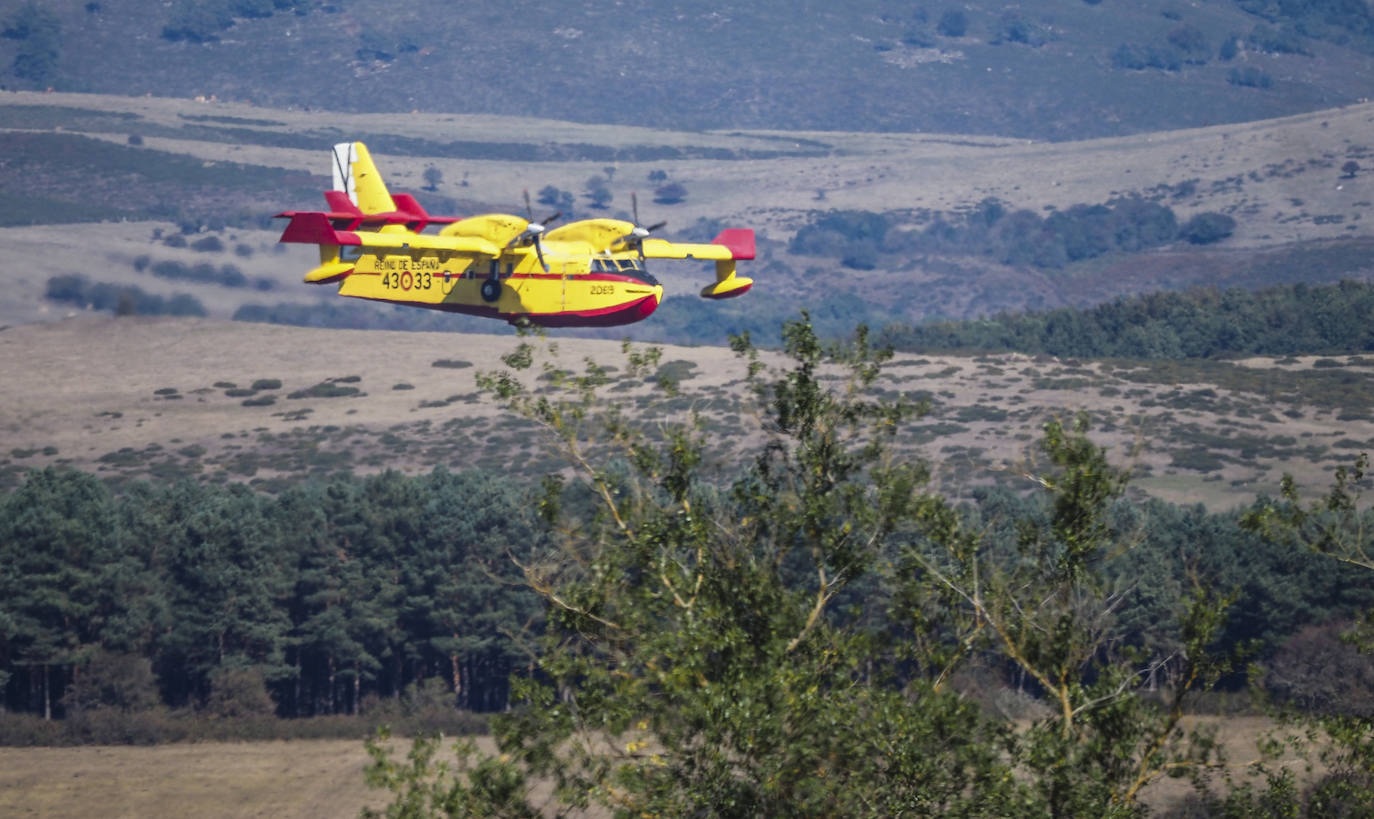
{"x": 344, "y": 157}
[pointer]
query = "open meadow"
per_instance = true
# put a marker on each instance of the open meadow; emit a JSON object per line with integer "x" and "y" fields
{"x": 316, "y": 778}
{"x": 308, "y": 778}
{"x": 206, "y": 400}
{"x": 136, "y": 173}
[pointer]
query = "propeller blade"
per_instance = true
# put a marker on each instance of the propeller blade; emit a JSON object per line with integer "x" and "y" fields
{"x": 652, "y": 228}
{"x": 539, "y": 251}
{"x": 529, "y": 211}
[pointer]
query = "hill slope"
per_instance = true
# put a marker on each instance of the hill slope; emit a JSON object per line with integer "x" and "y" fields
{"x": 232, "y": 401}
{"x": 205, "y": 177}
{"x": 1055, "y": 69}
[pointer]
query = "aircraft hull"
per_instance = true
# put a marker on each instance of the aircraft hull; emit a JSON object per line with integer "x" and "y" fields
{"x": 610, "y": 316}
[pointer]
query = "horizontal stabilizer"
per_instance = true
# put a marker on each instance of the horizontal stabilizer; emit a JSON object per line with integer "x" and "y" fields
{"x": 740, "y": 241}
{"x": 314, "y": 228}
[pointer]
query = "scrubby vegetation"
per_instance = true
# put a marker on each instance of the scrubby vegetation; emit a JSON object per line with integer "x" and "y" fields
{"x": 1287, "y": 320}
{"x": 1019, "y": 237}
{"x": 78, "y": 291}
{"x": 814, "y": 633}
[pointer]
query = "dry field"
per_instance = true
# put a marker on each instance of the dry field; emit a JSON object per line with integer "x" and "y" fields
{"x": 302, "y": 778}
{"x": 172, "y": 398}
{"x": 1255, "y": 169}
{"x": 1281, "y": 180}
{"x": 306, "y": 779}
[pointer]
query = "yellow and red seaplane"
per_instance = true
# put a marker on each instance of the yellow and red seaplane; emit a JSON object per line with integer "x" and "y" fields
{"x": 589, "y": 273}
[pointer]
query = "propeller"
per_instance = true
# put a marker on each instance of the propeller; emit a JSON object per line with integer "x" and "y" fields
{"x": 533, "y": 230}
{"x": 635, "y": 238}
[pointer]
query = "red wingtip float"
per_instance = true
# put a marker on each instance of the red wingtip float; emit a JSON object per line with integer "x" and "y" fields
{"x": 589, "y": 273}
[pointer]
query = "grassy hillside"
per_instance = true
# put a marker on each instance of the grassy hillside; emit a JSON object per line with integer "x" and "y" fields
{"x": 1057, "y": 69}
{"x": 194, "y": 185}
{"x": 231, "y": 401}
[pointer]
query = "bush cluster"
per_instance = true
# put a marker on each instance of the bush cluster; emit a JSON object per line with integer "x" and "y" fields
{"x": 1020, "y": 237}
{"x": 79, "y": 291}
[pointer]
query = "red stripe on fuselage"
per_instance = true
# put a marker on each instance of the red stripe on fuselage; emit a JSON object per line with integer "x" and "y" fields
{"x": 615, "y": 316}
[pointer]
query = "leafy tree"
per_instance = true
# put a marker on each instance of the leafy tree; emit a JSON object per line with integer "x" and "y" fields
{"x": 433, "y": 176}
{"x": 1049, "y": 607}
{"x": 1208, "y": 228}
{"x": 1191, "y": 42}
{"x": 670, "y": 194}
{"x": 721, "y": 649}
{"x": 113, "y": 680}
{"x": 952, "y": 23}
{"x": 58, "y": 537}
{"x": 225, "y": 587}
{"x": 197, "y": 22}
{"x": 1249, "y": 77}
{"x": 598, "y": 192}
{"x": 1337, "y": 526}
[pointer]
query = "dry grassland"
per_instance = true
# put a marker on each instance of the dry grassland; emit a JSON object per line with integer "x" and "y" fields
{"x": 305, "y": 779}
{"x": 1278, "y": 174}
{"x": 320, "y": 778}
{"x": 140, "y": 397}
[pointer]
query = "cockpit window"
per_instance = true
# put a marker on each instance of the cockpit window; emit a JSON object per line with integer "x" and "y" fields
{"x": 630, "y": 266}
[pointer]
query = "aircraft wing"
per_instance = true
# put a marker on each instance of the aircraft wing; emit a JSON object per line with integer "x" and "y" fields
{"x": 316, "y": 229}
{"x": 734, "y": 243}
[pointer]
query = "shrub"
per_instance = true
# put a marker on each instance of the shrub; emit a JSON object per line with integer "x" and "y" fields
{"x": 1249, "y": 77}
{"x": 1207, "y": 228}
{"x": 239, "y": 693}
{"x": 110, "y": 680}
{"x": 953, "y": 23}
{"x": 325, "y": 389}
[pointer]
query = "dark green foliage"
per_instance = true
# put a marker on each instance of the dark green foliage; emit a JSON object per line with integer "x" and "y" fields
{"x": 77, "y": 290}
{"x": 1207, "y": 228}
{"x": 39, "y": 33}
{"x": 227, "y": 275}
{"x": 1286, "y": 320}
{"x": 786, "y": 642}
{"x": 325, "y": 389}
{"x": 1191, "y": 43}
{"x": 209, "y": 244}
{"x": 1022, "y": 237}
{"x": 952, "y": 23}
{"x": 91, "y": 179}
{"x": 311, "y": 602}
{"x": 202, "y": 21}
{"x": 1139, "y": 58}
{"x": 672, "y": 193}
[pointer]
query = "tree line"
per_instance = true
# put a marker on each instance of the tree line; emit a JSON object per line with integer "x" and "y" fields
{"x": 356, "y": 588}
{"x": 331, "y": 593}
{"x": 1199, "y": 323}
{"x": 1019, "y": 237}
